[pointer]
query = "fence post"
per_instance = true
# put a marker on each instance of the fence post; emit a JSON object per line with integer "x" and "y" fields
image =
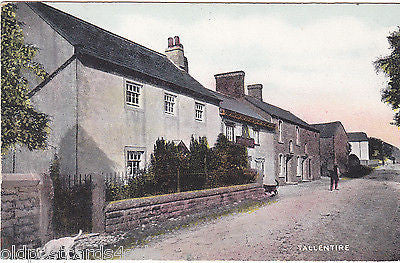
{"x": 98, "y": 203}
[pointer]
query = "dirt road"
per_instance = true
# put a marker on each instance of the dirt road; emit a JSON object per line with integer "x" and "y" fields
{"x": 361, "y": 221}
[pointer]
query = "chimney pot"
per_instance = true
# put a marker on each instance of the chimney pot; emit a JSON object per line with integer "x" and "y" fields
{"x": 170, "y": 42}
{"x": 177, "y": 42}
{"x": 175, "y": 53}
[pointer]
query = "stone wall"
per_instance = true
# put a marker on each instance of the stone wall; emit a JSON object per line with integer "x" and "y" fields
{"x": 128, "y": 214}
{"x": 26, "y": 210}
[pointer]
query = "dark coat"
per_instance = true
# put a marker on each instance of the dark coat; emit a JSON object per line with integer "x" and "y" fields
{"x": 334, "y": 174}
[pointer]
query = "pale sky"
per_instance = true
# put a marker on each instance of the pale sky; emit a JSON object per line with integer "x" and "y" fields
{"x": 313, "y": 60}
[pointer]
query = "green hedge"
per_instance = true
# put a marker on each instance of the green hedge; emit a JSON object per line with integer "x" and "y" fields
{"x": 172, "y": 169}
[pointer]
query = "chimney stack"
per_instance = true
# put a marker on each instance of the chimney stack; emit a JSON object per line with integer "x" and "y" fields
{"x": 255, "y": 91}
{"x": 230, "y": 83}
{"x": 175, "y": 53}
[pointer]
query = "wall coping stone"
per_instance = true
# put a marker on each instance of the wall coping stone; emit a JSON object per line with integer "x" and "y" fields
{"x": 20, "y": 180}
{"x": 160, "y": 199}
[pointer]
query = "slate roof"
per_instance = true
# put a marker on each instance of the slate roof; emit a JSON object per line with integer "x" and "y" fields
{"x": 357, "y": 136}
{"x": 238, "y": 106}
{"x": 327, "y": 129}
{"x": 95, "y": 41}
{"x": 279, "y": 113}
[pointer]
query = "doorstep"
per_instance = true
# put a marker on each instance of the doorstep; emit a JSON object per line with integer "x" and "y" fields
{"x": 291, "y": 183}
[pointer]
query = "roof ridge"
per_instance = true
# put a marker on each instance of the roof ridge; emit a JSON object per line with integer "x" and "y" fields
{"x": 269, "y": 104}
{"x": 97, "y": 27}
{"x": 324, "y": 123}
{"x": 297, "y": 120}
{"x": 281, "y": 109}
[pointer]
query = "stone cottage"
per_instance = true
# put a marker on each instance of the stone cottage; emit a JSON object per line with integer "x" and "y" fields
{"x": 335, "y": 147}
{"x": 243, "y": 125}
{"x": 359, "y": 146}
{"x": 296, "y": 143}
{"x": 108, "y": 98}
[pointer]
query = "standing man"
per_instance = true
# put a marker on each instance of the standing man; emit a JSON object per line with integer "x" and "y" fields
{"x": 335, "y": 177}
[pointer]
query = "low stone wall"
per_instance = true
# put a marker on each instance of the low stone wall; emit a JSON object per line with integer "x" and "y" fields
{"x": 26, "y": 210}
{"x": 128, "y": 214}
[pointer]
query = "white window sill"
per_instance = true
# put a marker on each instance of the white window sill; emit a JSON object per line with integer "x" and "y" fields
{"x": 133, "y": 107}
{"x": 171, "y": 115}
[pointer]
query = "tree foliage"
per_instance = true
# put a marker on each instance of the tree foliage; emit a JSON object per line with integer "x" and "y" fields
{"x": 379, "y": 149}
{"x": 390, "y": 66}
{"x": 164, "y": 165}
{"x": 231, "y": 161}
{"x": 21, "y": 123}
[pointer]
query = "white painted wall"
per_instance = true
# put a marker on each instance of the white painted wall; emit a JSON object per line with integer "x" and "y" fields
{"x": 57, "y": 98}
{"x": 108, "y": 125}
{"x": 361, "y": 150}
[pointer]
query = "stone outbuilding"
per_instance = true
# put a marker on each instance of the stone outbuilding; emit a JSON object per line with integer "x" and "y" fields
{"x": 335, "y": 147}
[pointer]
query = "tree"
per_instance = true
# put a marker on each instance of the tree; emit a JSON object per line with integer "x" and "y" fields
{"x": 390, "y": 66}
{"x": 230, "y": 161}
{"x": 164, "y": 165}
{"x": 379, "y": 149}
{"x": 21, "y": 123}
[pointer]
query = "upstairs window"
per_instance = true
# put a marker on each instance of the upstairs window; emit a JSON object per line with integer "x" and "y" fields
{"x": 132, "y": 93}
{"x": 256, "y": 135}
{"x": 133, "y": 160}
{"x": 280, "y": 123}
{"x": 305, "y": 148}
{"x": 291, "y": 150}
{"x": 230, "y": 133}
{"x": 169, "y": 103}
{"x": 297, "y": 135}
{"x": 245, "y": 131}
{"x": 199, "y": 111}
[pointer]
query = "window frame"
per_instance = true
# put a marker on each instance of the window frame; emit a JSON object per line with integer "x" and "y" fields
{"x": 291, "y": 146}
{"x": 256, "y": 136}
{"x": 281, "y": 165}
{"x": 245, "y": 131}
{"x": 280, "y": 130}
{"x": 130, "y": 161}
{"x": 171, "y": 104}
{"x": 202, "y": 111}
{"x": 230, "y": 126}
{"x": 138, "y": 93}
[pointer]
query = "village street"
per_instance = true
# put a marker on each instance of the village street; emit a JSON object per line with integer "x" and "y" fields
{"x": 361, "y": 220}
